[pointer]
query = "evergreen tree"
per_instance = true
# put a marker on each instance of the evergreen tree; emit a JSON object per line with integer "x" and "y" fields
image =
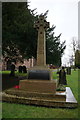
{"x": 20, "y": 37}
{"x": 54, "y": 48}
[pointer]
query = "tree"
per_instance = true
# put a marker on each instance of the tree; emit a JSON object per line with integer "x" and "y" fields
{"x": 54, "y": 48}
{"x": 74, "y": 46}
{"x": 20, "y": 37}
{"x": 77, "y": 58}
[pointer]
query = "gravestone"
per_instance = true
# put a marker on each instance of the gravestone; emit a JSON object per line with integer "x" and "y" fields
{"x": 24, "y": 69}
{"x": 8, "y": 64}
{"x": 68, "y": 70}
{"x": 20, "y": 69}
{"x": 62, "y": 80}
{"x": 12, "y": 68}
{"x": 62, "y": 77}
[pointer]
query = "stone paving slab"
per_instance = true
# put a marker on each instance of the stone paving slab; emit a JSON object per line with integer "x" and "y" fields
{"x": 69, "y": 96}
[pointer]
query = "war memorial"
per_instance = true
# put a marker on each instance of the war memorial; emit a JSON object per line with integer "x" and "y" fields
{"x": 40, "y": 88}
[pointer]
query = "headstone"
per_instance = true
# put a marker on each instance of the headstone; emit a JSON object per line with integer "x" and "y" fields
{"x": 12, "y": 69}
{"x": 68, "y": 70}
{"x": 24, "y": 69}
{"x": 77, "y": 59}
{"x": 8, "y": 64}
{"x": 20, "y": 69}
{"x": 62, "y": 77}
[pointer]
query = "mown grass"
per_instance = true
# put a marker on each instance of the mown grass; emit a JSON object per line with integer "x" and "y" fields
{"x": 25, "y": 111}
{"x": 4, "y": 72}
{"x": 55, "y": 75}
{"x": 72, "y": 81}
{"x": 16, "y": 73}
{"x": 10, "y": 110}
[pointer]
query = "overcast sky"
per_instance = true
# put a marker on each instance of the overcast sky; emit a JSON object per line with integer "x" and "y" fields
{"x": 64, "y": 15}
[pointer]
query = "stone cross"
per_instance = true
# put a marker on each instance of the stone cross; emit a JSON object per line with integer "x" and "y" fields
{"x": 41, "y": 25}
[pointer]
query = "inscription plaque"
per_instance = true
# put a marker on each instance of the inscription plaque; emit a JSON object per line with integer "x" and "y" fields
{"x": 39, "y": 74}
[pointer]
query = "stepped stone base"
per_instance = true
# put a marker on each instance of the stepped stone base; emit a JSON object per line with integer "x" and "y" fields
{"x": 38, "y": 86}
{"x": 60, "y": 99}
{"x": 37, "y": 95}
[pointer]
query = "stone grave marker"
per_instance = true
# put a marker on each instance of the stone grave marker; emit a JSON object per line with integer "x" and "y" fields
{"x": 68, "y": 70}
{"x": 20, "y": 69}
{"x": 12, "y": 68}
{"x": 24, "y": 69}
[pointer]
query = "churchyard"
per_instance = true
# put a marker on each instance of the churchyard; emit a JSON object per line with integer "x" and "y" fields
{"x": 39, "y": 87}
{"x": 40, "y": 92}
{"x": 11, "y": 110}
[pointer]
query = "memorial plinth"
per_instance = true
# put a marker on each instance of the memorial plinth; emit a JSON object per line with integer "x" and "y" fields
{"x": 59, "y": 99}
{"x": 38, "y": 86}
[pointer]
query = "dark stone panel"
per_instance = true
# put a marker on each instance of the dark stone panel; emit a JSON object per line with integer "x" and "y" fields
{"x": 68, "y": 70}
{"x": 39, "y": 74}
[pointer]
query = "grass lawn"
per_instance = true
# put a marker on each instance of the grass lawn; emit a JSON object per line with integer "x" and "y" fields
{"x": 10, "y": 110}
{"x": 16, "y": 73}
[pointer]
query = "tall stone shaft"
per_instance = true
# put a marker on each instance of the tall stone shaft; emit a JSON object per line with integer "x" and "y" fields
{"x": 41, "y": 47}
{"x": 41, "y": 26}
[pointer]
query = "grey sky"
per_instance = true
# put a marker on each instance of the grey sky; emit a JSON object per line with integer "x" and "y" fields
{"x": 0, "y": 24}
{"x": 64, "y": 15}
{"x": 79, "y": 24}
